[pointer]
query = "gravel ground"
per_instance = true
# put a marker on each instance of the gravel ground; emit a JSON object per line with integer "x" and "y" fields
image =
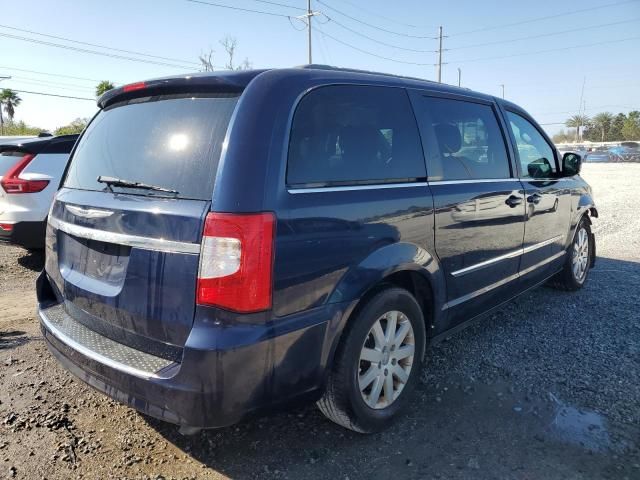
{"x": 547, "y": 387}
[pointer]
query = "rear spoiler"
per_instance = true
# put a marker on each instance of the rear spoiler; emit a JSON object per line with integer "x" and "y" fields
{"x": 59, "y": 144}
{"x": 214, "y": 82}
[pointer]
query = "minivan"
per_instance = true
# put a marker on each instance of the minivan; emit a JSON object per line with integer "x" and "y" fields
{"x": 227, "y": 244}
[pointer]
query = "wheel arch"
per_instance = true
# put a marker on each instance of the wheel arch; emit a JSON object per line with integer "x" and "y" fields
{"x": 585, "y": 208}
{"x": 402, "y": 265}
{"x": 585, "y": 214}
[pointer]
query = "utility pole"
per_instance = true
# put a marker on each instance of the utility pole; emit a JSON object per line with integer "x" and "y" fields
{"x": 459, "y": 77}
{"x": 580, "y": 112}
{"x": 502, "y": 85}
{"x": 439, "y": 71}
{"x": 307, "y": 18}
{"x": 309, "y": 15}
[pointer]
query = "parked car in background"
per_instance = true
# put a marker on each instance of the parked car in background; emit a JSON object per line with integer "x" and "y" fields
{"x": 233, "y": 242}
{"x": 14, "y": 138}
{"x": 30, "y": 172}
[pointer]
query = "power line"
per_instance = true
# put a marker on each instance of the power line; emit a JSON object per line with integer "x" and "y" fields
{"x": 595, "y": 107}
{"x": 359, "y": 7}
{"x": 366, "y": 52}
{"x": 64, "y": 84}
{"x": 230, "y": 7}
{"x": 333, "y": 20}
{"x": 371, "y": 25}
{"x": 296, "y": 28}
{"x": 51, "y": 74}
{"x": 545, "y": 51}
{"x": 546, "y": 17}
{"x": 50, "y": 84}
{"x": 98, "y": 45}
{"x": 323, "y": 44}
{"x": 284, "y": 5}
{"x": 499, "y": 42}
{"x": 93, "y": 52}
{"x": 54, "y": 95}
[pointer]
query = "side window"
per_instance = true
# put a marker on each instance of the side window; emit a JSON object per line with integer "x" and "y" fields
{"x": 468, "y": 141}
{"x": 345, "y": 135}
{"x": 534, "y": 153}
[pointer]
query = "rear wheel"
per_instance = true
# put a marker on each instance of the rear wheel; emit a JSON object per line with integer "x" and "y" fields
{"x": 377, "y": 363}
{"x": 578, "y": 260}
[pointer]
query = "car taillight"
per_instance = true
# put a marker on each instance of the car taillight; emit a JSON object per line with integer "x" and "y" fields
{"x": 13, "y": 184}
{"x": 7, "y": 227}
{"x": 134, "y": 86}
{"x": 236, "y": 261}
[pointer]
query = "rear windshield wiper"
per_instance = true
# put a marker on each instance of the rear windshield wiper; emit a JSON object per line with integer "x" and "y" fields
{"x": 119, "y": 182}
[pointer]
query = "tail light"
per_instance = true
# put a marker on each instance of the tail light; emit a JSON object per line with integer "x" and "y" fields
{"x": 13, "y": 184}
{"x": 7, "y": 227}
{"x": 134, "y": 86}
{"x": 236, "y": 261}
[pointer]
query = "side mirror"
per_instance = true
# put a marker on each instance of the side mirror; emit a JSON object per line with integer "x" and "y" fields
{"x": 571, "y": 164}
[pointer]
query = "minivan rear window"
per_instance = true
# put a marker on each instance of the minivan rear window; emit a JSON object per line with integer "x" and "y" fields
{"x": 8, "y": 160}
{"x": 170, "y": 141}
{"x": 351, "y": 134}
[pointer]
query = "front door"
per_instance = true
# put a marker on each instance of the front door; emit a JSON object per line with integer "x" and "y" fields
{"x": 479, "y": 203}
{"x": 548, "y": 200}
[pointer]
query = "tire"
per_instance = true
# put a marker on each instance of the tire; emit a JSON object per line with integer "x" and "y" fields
{"x": 344, "y": 402}
{"x": 572, "y": 278}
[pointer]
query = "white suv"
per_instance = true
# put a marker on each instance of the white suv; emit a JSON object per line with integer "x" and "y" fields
{"x": 30, "y": 173}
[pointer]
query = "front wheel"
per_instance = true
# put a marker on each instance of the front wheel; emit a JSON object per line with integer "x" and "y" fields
{"x": 578, "y": 261}
{"x": 377, "y": 363}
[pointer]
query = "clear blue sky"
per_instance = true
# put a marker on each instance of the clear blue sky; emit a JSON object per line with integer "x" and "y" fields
{"x": 547, "y": 84}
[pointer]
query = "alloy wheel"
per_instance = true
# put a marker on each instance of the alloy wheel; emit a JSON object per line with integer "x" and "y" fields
{"x": 580, "y": 259}
{"x": 386, "y": 359}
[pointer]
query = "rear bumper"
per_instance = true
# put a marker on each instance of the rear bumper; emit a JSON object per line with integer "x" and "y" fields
{"x": 226, "y": 372}
{"x": 25, "y": 234}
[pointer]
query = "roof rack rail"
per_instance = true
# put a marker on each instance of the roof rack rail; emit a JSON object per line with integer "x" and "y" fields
{"x": 319, "y": 66}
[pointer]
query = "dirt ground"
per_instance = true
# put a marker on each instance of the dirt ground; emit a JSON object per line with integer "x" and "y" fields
{"x": 548, "y": 387}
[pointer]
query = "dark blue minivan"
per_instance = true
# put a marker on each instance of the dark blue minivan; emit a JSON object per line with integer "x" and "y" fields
{"x": 229, "y": 243}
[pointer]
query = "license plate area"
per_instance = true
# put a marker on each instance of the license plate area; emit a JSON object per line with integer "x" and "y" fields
{"x": 92, "y": 265}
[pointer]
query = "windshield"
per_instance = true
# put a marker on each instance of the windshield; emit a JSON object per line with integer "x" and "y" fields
{"x": 173, "y": 142}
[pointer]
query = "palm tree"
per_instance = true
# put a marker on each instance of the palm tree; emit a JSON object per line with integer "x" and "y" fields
{"x": 103, "y": 86}
{"x": 10, "y": 100}
{"x": 576, "y": 122}
{"x": 602, "y": 122}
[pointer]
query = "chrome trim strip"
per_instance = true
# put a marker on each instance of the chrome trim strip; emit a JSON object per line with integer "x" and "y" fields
{"x": 88, "y": 212}
{"x": 493, "y": 180}
{"x": 145, "y": 243}
{"x": 486, "y": 263}
{"x": 542, "y": 263}
{"x": 480, "y": 291}
{"x": 349, "y": 188}
{"x": 499, "y": 283}
{"x": 544, "y": 243}
{"x": 515, "y": 253}
{"x": 473, "y": 180}
{"x": 68, "y": 341}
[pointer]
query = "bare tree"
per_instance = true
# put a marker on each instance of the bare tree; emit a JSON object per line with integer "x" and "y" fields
{"x": 245, "y": 65}
{"x": 230, "y": 43}
{"x": 206, "y": 61}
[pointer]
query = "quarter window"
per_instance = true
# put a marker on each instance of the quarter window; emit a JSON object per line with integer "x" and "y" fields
{"x": 468, "y": 142}
{"x": 346, "y": 134}
{"x": 534, "y": 153}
